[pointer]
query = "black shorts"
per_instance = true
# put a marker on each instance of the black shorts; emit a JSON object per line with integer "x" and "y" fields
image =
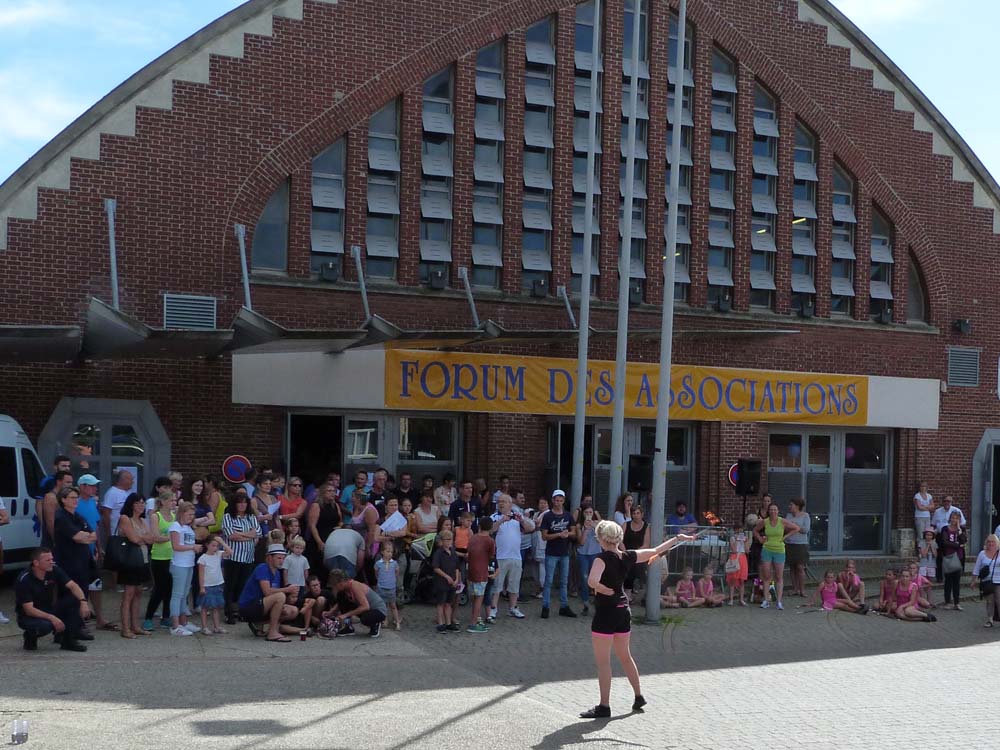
{"x": 444, "y": 594}
{"x": 253, "y": 612}
{"x": 611, "y": 621}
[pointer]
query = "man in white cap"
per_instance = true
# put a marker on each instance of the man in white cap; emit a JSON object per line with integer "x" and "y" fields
{"x": 264, "y": 598}
{"x": 558, "y": 531}
{"x": 88, "y": 508}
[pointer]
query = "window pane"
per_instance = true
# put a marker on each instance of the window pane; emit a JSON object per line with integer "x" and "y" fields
{"x": 8, "y": 473}
{"x": 603, "y": 447}
{"x": 270, "y": 237}
{"x": 786, "y": 451}
{"x": 362, "y": 440}
{"x": 864, "y": 451}
{"x": 819, "y": 451}
{"x": 540, "y": 33}
{"x": 33, "y": 473}
{"x": 384, "y": 121}
{"x": 439, "y": 86}
{"x": 86, "y": 442}
{"x": 330, "y": 161}
{"x": 424, "y": 439}
{"x": 863, "y": 533}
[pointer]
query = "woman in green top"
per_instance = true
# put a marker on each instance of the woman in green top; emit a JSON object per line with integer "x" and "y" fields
{"x": 159, "y": 559}
{"x": 771, "y": 532}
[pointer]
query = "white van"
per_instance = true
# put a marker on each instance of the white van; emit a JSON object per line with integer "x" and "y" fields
{"x": 20, "y": 476}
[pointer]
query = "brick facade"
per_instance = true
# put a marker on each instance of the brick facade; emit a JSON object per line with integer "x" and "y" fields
{"x": 213, "y": 160}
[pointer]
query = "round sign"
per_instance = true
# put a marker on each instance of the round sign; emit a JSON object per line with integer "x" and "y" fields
{"x": 734, "y": 474}
{"x": 235, "y": 468}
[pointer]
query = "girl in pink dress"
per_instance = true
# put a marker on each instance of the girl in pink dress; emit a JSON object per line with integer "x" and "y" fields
{"x": 705, "y": 588}
{"x": 832, "y": 595}
{"x": 687, "y": 592}
{"x": 907, "y": 593}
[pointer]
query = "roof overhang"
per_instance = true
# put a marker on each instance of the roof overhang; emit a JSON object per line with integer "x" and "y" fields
{"x": 39, "y": 343}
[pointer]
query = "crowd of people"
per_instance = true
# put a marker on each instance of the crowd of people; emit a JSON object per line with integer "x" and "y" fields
{"x": 290, "y": 558}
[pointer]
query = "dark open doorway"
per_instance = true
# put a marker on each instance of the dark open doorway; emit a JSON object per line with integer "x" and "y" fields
{"x": 316, "y": 445}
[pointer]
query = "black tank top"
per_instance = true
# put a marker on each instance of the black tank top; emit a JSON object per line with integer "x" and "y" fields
{"x": 616, "y": 570}
{"x": 633, "y": 539}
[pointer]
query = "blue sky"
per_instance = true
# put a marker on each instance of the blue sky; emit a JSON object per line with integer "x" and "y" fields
{"x": 58, "y": 57}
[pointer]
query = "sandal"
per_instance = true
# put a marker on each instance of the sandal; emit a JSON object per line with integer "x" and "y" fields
{"x": 219, "y": 631}
{"x": 143, "y": 631}
{"x": 109, "y": 626}
{"x": 281, "y": 639}
{"x": 255, "y": 630}
{"x": 127, "y": 634}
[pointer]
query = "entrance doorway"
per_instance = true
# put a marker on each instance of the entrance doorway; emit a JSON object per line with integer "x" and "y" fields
{"x": 315, "y": 446}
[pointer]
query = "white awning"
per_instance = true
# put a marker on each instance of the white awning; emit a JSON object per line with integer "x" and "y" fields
{"x": 486, "y": 213}
{"x": 803, "y": 283}
{"x": 436, "y": 206}
{"x": 720, "y": 237}
{"x": 436, "y": 165}
{"x": 489, "y": 129}
{"x": 763, "y": 242}
{"x": 764, "y": 204}
{"x": 803, "y": 209}
{"x": 803, "y": 246}
{"x": 880, "y": 290}
{"x": 536, "y": 218}
{"x": 490, "y": 88}
{"x": 882, "y": 253}
{"x": 720, "y": 276}
{"x": 762, "y": 280}
{"x": 540, "y": 52}
{"x": 435, "y": 251}
{"x": 844, "y": 213}
{"x": 723, "y": 121}
{"x": 842, "y": 250}
{"x": 382, "y": 199}
{"x": 724, "y": 82}
{"x": 536, "y": 260}
{"x": 487, "y": 255}
{"x": 765, "y": 165}
{"x": 382, "y": 247}
{"x": 721, "y": 199}
{"x": 438, "y": 122}
{"x": 766, "y": 127}
{"x": 806, "y": 171}
{"x": 841, "y": 287}
{"x": 383, "y": 160}
{"x": 327, "y": 241}
{"x": 327, "y": 193}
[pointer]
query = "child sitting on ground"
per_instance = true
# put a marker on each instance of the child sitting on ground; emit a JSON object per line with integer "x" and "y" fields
{"x": 705, "y": 587}
{"x": 387, "y": 578}
{"x": 887, "y": 593}
{"x": 852, "y": 583}
{"x": 668, "y": 597}
{"x": 687, "y": 592}
{"x": 905, "y": 600}
{"x": 833, "y": 596}
{"x": 923, "y": 586}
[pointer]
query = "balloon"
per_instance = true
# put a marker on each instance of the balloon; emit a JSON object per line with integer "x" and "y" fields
{"x": 795, "y": 450}
{"x": 849, "y": 452}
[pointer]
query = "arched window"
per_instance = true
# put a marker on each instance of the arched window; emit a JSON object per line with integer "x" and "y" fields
{"x": 916, "y": 296}
{"x": 270, "y": 237}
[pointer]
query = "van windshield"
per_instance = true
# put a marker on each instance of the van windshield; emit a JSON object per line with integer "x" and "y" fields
{"x": 33, "y": 473}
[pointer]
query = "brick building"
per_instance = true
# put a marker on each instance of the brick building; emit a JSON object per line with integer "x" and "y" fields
{"x": 833, "y": 304}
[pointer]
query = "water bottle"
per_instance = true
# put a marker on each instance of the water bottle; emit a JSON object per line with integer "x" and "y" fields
{"x": 19, "y": 732}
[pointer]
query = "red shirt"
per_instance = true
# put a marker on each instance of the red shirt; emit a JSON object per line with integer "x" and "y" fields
{"x": 289, "y": 505}
{"x": 481, "y": 551}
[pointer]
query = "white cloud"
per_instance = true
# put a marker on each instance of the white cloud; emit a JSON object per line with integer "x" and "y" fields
{"x": 867, "y": 13}
{"x": 29, "y": 12}
{"x": 32, "y": 111}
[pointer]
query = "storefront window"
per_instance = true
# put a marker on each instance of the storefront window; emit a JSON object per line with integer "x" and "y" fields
{"x": 786, "y": 451}
{"x": 863, "y": 533}
{"x": 677, "y": 454}
{"x": 864, "y": 451}
{"x": 127, "y": 453}
{"x": 426, "y": 439}
{"x": 819, "y": 451}
{"x": 362, "y": 440}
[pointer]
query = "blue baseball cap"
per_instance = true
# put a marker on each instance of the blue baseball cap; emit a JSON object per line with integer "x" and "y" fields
{"x": 89, "y": 480}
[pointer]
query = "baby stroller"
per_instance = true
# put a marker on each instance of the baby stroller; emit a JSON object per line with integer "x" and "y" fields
{"x": 418, "y": 574}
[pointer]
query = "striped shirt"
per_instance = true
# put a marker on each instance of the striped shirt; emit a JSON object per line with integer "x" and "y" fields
{"x": 242, "y": 549}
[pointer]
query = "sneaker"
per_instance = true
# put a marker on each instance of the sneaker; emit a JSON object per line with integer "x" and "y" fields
{"x": 442, "y": 629}
{"x": 30, "y": 640}
{"x": 180, "y": 631}
{"x": 492, "y": 614}
{"x": 638, "y": 703}
{"x": 165, "y": 622}
{"x": 191, "y": 628}
{"x": 545, "y": 614}
{"x": 375, "y": 630}
{"x": 539, "y": 595}
{"x": 345, "y": 630}
{"x": 3, "y": 618}
{"x": 515, "y": 613}
{"x": 453, "y": 628}
{"x": 491, "y": 620}
{"x": 597, "y": 712}
{"x": 764, "y": 604}
{"x": 780, "y": 605}
{"x": 477, "y": 628}
{"x": 566, "y": 612}
{"x": 147, "y": 625}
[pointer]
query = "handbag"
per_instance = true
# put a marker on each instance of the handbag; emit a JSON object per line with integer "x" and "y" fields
{"x": 123, "y": 555}
{"x": 986, "y": 585}
{"x": 733, "y": 565}
{"x": 951, "y": 563}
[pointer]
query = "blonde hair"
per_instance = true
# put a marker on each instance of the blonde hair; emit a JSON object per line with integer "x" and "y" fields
{"x": 183, "y": 507}
{"x": 276, "y": 536}
{"x": 992, "y": 538}
{"x": 296, "y": 541}
{"x": 609, "y": 532}
{"x": 164, "y": 497}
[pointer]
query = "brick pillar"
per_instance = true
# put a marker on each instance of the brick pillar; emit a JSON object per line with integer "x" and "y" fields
{"x": 701, "y": 148}
{"x": 463, "y": 145}
{"x": 611, "y": 98}
{"x": 300, "y": 223}
{"x": 862, "y": 252}
{"x": 356, "y": 196}
{"x": 562, "y": 154}
{"x": 744, "y": 189}
{"x": 783, "y": 233}
{"x": 513, "y": 163}
{"x": 824, "y": 229}
{"x": 656, "y": 144}
{"x": 411, "y": 144}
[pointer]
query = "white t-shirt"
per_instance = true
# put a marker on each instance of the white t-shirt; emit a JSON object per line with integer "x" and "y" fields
{"x": 213, "y": 568}
{"x": 922, "y": 513}
{"x": 982, "y": 561}
{"x": 182, "y": 559}
{"x": 115, "y": 500}
{"x": 295, "y": 567}
{"x": 620, "y": 518}
{"x": 508, "y": 537}
{"x": 941, "y": 515}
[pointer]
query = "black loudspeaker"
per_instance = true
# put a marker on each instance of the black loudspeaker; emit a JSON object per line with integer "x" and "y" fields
{"x": 640, "y": 473}
{"x": 748, "y": 481}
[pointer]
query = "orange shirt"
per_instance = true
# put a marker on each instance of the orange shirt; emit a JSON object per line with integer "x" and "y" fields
{"x": 462, "y": 537}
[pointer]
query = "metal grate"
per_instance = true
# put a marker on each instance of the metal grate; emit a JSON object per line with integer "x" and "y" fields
{"x": 963, "y": 366}
{"x": 189, "y": 312}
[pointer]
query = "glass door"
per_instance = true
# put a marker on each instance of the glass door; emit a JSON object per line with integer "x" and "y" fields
{"x": 105, "y": 447}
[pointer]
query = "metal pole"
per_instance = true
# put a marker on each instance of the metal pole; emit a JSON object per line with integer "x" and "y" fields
{"x": 625, "y": 277}
{"x": 110, "y": 205}
{"x": 463, "y": 274}
{"x": 564, "y": 295}
{"x": 583, "y": 344}
{"x": 659, "y": 493}
{"x": 241, "y": 237}
{"x": 356, "y": 254}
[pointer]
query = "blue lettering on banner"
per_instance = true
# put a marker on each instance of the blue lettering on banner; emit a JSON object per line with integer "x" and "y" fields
{"x": 645, "y": 395}
{"x": 491, "y": 376}
{"x": 718, "y": 393}
{"x": 465, "y": 391}
{"x": 409, "y": 367}
{"x": 445, "y": 375}
{"x": 513, "y": 378}
{"x": 604, "y": 394}
{"x": 851, "y": 402}
{"x": 822, "y": 398}
{"x": 554, "y": 373}
{"x": 687, "y": 398}
{"x": 729, "y": 395}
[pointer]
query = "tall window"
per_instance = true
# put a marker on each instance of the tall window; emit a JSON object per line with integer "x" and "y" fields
{"x": 682, "y": 256}
{"x": 765, "y": 195}
{"x": 536, "y": 236}
{"x": 721, "y": 179}
{"x": 636, "y": 251}
{"x": 804, "y": 221}
{"x": 435, "y": 188}
{"x": 270, "y": 236}
{"x": 327, "y": 236}
{"x": 880, "y": 305}
{"x": 382, "y": 230}
{"x": 916, "y": 295}
{"x": 487, "y": 194}
{"x": 844, "y": 221}
{"x": 583, "y": 55}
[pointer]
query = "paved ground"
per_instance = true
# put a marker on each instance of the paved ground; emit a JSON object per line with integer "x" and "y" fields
{"x": 729, "y": 678}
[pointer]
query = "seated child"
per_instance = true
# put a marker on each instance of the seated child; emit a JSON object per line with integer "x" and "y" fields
{"x": 705, "y": 588}
{"x": 852, "y": 583}
{"x": 668, "y": 597}
{"x": 887, "y": 593}
{"x": 905, "y": 599}
{"x": 687, "y": 592}
{"x": 923, "y": 586}
{"x": 833, "y": 596}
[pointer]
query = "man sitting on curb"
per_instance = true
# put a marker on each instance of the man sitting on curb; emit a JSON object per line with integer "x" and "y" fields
{"x": 264, "y": 598}
{"x": 49, "y": 601}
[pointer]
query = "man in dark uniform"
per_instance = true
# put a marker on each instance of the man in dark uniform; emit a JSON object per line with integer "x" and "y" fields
{"x": 48, "y": 601}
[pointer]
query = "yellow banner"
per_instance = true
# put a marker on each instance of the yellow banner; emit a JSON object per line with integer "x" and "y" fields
{"x": 459, "y": 381}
